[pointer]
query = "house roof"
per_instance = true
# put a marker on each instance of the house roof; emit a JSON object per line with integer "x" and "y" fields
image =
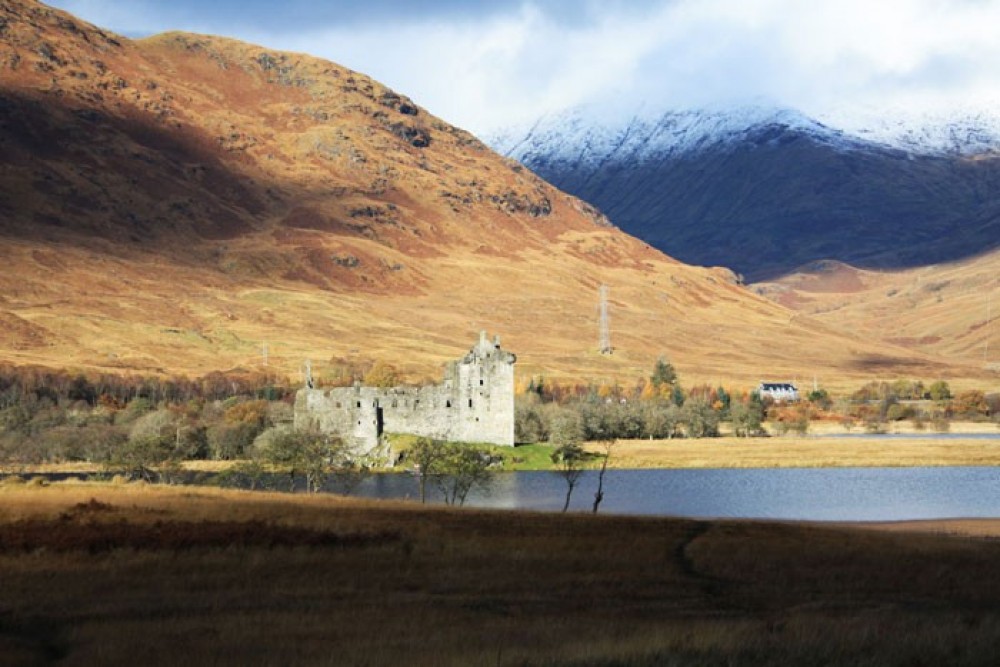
{"x": 777, "y": 386}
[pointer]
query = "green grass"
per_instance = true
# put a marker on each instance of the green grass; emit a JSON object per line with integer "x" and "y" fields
{"x": 529, "y": 457}
{"x": 521, "y": 457}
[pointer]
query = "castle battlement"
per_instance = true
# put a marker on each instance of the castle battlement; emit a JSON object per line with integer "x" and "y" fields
{"x": 473, "y": 403}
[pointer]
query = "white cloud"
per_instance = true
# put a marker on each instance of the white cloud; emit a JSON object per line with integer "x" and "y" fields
{"x": 511, "y": 64}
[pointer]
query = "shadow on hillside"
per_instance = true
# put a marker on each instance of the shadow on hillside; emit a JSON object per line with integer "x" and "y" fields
{"x": 79, "y": 174}
{"x": 765, "y": 208}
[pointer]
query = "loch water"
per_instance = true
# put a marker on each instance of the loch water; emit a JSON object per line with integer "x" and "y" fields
{"x": 819, "y": 494}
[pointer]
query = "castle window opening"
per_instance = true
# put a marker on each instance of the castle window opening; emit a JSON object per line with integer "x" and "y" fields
{"x": 435, "y": 417}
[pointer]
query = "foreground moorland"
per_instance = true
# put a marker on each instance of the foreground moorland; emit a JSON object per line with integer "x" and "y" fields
{"x": 134, "y": 574}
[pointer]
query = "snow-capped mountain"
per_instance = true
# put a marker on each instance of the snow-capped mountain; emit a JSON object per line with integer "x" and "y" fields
{"x": 961, "y": 131}
{"x": 574, "y": 134}
{"x": 764, "y": 190}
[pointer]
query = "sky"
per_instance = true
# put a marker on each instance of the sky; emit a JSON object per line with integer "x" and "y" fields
{"x": 489, "y": 64}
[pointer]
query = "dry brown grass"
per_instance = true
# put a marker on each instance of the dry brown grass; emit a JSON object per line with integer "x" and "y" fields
{"x": 803, "y": 452}
{"x": 941, "y": 310}
{"x": 226, "y": 191}
{"x": 221, "y": 577}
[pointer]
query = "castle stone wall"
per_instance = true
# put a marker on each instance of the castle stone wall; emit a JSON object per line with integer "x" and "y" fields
{"x": 474, "y": 403}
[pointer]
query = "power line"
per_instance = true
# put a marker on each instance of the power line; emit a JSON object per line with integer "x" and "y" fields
{"x": 604, "y": 335}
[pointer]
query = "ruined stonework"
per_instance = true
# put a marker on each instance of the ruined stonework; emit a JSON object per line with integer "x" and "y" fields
{"x": 474, "y": 403}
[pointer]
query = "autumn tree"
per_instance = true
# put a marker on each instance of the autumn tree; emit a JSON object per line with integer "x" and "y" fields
{"x": 382, "y": 374}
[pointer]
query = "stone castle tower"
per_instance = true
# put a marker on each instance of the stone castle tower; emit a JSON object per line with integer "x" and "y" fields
{"x": 474, "y": 403}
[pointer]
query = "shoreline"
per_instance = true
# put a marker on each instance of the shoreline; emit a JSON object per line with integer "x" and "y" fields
{"x": 55, "y": 494}
{"x": 819, "y": 450}
{"x": 809, "y": 451}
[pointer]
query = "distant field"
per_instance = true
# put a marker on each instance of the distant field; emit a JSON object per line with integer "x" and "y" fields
{"x": 128, "y": 574}
{"x": 812, "y": 451}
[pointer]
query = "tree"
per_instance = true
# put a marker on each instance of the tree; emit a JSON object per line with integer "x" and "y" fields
{"x": 251, "y": 473}
{"x": 305, "y": 453}
{"x": 724, "y": 400}
{"x": 139, "y": 457}
{"x": 460, "y": 470}
{"x": 348, "y": 474}
{"x": 599, "y": 494}
{"x": 426, "y": 455}
{"x": 529, "y": 425}
{"x": 569, "y": 459}
{"x": 939, "y": 391}
{"x": 702, "y": 420}
{"x": 820, "y": 398}
{"x": 971, "y": 404}
{"x": 229, "y": 441}
{"x": 661, "y": 421}
{"x": 677, "y": 395}
{"x": 747, "y": 417}
{"x": 565, "y": 427}
{"x": 381, "y": 375}
{"x": 663, "y": 373}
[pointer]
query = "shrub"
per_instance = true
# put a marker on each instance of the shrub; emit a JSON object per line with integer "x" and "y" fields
{"x": 939, "y": 391}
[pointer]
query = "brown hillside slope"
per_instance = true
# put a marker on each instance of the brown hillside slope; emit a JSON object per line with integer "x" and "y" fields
{"x": 170, "y": 204}
{"x": 948, "y": 310}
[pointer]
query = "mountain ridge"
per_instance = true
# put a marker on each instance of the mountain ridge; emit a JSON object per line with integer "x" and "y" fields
{"x": 765, "y": 191}
{"x": 171, "y": 204}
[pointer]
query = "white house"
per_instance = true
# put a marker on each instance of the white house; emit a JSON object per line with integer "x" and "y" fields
{"x": 780, "y": 392}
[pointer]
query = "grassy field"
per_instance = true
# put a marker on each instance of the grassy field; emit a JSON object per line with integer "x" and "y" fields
{"x": 134, "y": 574}
{"x": 798, "y": 452}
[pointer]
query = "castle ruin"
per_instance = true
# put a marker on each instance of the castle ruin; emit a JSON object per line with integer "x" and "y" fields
{"x": 474, "y": 403}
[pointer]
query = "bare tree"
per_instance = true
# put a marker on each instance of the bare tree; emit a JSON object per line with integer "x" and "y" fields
{"x": 569, "y": 458}
{"x": 599, "y": 494}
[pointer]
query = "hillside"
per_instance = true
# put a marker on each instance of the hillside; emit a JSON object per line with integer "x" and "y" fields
{"x": 764, "y": 191}
{"x": 949, "y": 310}
{"x": 171, "y": 204}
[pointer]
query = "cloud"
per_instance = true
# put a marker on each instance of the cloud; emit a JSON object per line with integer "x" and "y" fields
{"x": 488, "y": 63}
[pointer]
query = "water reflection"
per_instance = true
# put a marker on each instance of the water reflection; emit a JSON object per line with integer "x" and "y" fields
{"x": 834, "y": 494}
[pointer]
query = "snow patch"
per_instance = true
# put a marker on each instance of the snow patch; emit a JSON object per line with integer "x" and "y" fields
{"x": 576, "y": 137}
